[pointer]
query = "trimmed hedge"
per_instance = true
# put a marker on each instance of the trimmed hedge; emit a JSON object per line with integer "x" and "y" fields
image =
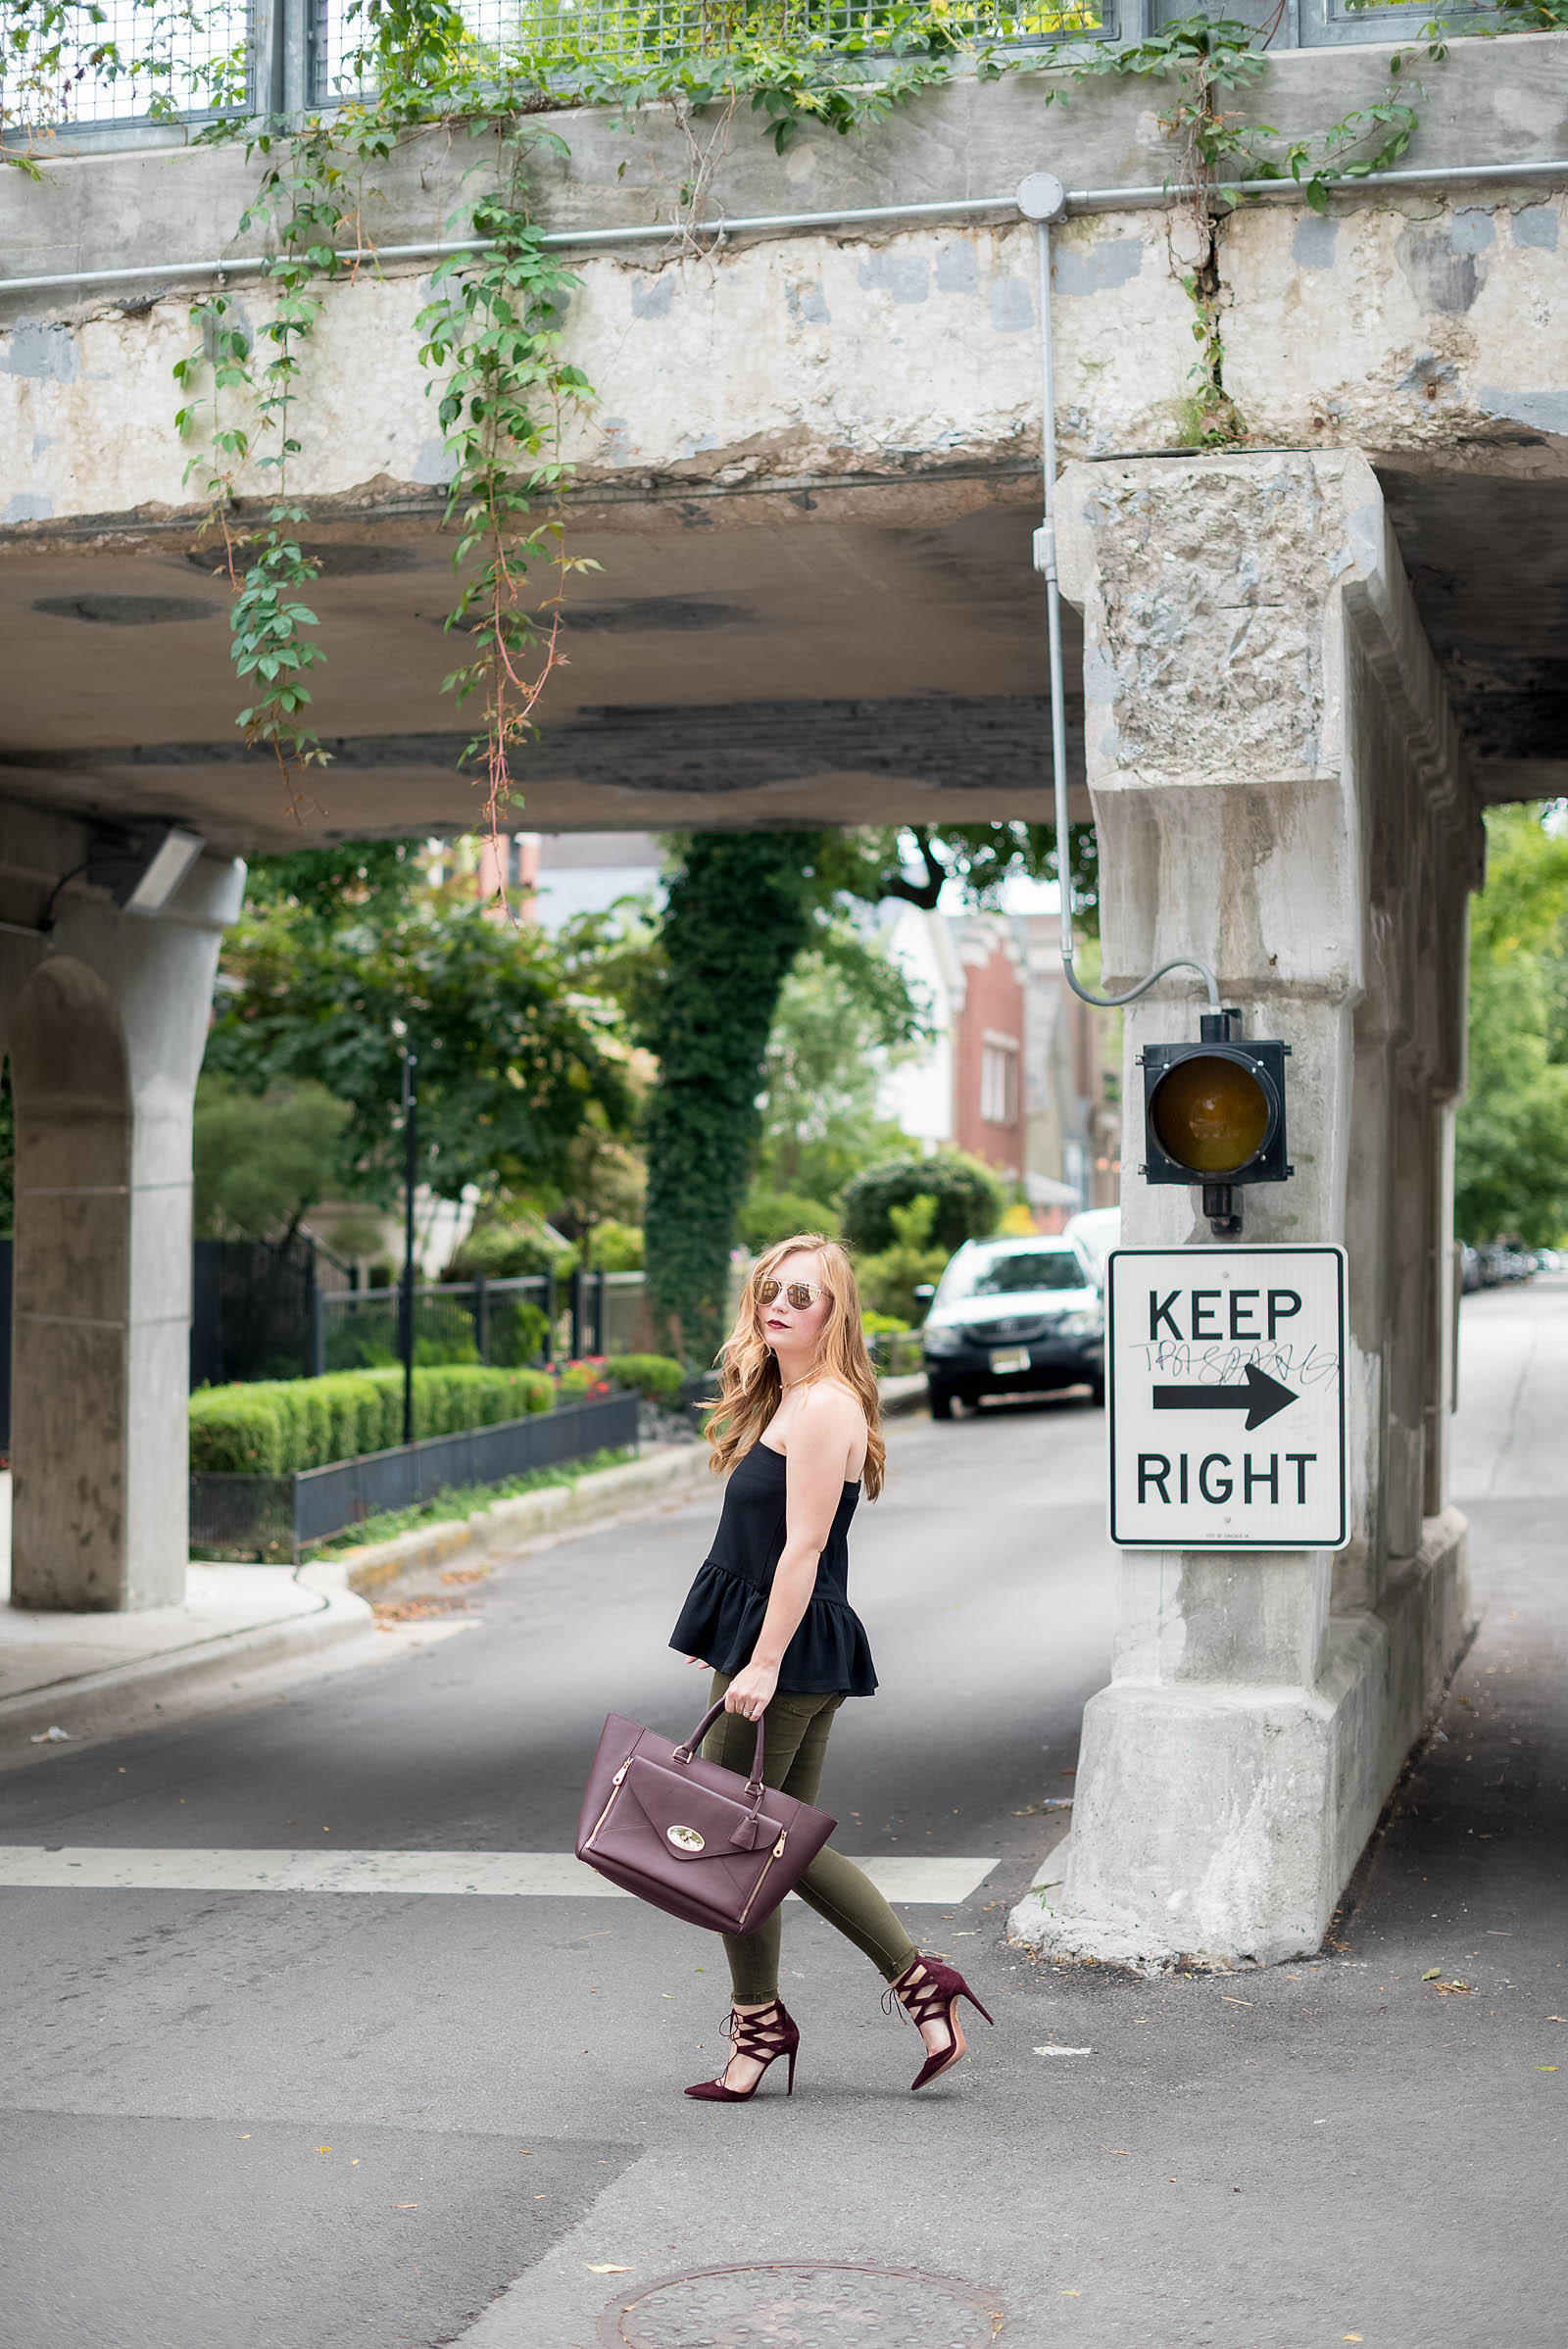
{"x": 277, "y": 1426}
{"x": 657, "y": 1378}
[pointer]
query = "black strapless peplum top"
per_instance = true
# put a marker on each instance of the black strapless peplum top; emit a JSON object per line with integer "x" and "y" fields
{"x": 726, "y": 1603}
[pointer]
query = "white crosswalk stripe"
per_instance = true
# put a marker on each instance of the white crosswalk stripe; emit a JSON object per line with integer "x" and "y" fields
{"x": 912, "y": 1882}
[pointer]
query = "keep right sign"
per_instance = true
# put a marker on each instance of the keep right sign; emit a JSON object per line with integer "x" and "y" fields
{"x": 1226, "y": 1398}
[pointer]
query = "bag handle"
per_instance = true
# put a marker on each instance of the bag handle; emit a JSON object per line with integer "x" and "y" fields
{"x": 685, "y": 1750}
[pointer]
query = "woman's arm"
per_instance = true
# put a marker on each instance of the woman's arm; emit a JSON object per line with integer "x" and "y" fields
{"x": 827, "y": 1429}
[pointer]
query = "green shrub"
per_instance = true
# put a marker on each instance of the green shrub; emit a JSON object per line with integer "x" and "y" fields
{"x": 768, "y": 1216}
{"x": 232, "y": 1434}
{"x": 967, "y": 1199}
{"x": 518, "y": 1331}
{"x": 304, "y": 1419}
{"x": 881, "y": 1325}
{"x": 354, "y": 1414}
{"x": 581, "y": 1381}
{"x": 430, "y": 1352}
{"x": 657, "y": 1377}
{"x": 506, "y": 1250}
{"x": 888, "y": 1280}
{"x": 277, "y": 1426}
{"x": 615, "y": 1248}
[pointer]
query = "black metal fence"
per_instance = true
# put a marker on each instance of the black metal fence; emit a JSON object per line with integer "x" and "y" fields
{"x": 253, "y": 1309}
{"x": 274, "y": 1519}
{"x": 513, "y": 1323}
{"x": 261, "y": 1311}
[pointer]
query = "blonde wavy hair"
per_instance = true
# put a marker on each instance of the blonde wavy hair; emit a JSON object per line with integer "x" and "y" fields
{"x": 751, "y": 1387}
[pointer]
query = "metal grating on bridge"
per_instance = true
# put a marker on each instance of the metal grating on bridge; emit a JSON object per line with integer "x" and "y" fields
{"x": 107, "y": 63}
{"x": 126, "y": 61}
{"x": 643, "y": 32}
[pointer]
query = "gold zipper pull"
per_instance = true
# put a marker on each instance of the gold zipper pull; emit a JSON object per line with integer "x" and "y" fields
{"x": 620, "y": 1773}
{"x": 778, "y": 1848}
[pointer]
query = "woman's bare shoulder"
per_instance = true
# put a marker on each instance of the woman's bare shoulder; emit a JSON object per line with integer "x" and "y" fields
{"x": 833, "y": 1406}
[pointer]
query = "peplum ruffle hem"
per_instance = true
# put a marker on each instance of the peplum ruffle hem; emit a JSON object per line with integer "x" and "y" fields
{"x": 726, "y": 1604}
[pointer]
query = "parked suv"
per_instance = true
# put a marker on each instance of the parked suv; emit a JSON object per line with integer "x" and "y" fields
{"x": 1011, "y": 1316}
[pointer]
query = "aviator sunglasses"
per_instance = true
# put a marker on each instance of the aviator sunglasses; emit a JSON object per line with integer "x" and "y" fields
{"x": 798, "y": 1293}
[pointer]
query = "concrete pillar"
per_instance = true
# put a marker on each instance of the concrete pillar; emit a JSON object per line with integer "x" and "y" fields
{"x": 105, "y": 1028}
{"x": 1278, "y": 788}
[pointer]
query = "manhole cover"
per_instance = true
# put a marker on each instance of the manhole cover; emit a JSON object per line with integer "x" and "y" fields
{"x": 802, "y": 2304}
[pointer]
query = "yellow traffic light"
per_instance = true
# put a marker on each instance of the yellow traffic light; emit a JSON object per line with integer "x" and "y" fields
{"x": 1215, "y": 1113}
{"x": 1210, "y": 1114}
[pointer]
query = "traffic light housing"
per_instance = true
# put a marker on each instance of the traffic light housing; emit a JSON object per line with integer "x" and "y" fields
{"x": 1215, "y": 1113}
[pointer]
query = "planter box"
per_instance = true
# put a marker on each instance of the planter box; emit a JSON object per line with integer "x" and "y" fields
{"x": 275, "y": 1518}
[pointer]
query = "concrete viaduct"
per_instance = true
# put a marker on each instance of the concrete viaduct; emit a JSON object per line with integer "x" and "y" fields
{"x": 1299, "y": 668}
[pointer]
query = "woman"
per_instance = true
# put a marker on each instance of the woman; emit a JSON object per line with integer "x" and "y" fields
{"x": 796, "y": 1424}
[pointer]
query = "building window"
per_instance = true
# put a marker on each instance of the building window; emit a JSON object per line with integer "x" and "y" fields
{"x": 999, "y": 1081}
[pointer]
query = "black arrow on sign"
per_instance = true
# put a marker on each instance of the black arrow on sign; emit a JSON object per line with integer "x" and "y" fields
{"x": 1260, "y": 1399}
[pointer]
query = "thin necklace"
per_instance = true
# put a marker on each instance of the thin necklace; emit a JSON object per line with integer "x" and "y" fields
{"x": 805, "y": 1379}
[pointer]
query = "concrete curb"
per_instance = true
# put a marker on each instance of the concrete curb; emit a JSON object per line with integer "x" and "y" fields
{"x": 133, "y": 1695}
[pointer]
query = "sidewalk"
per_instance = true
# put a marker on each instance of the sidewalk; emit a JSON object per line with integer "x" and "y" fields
{"x": 102, "y": 1675}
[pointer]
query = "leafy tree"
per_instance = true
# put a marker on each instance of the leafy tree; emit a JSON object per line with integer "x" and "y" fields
{"x": 379, "y": 878}
{"x": 262, "y": 1159}
{"x": 873, "y": 863}
{"x": 615, "y": 1248}
{"x": 343, "y": 958}
{"x": 768, "y": 1216}
{"x": 1511, "y": 1158}
{"x": 511, "y": 1246}
{"x": 844, "y": 1011}
{"x": 604, "y": 1181}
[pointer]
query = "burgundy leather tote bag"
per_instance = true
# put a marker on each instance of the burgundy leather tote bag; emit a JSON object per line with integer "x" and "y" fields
{"x": 700, "y": 1841}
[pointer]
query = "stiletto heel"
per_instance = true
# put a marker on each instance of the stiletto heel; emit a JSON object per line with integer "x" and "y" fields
{"x": 764, "y": 2036}
{"x": 936, "y": 1992}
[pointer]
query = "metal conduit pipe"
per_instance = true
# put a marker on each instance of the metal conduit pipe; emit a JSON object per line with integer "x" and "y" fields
{"x": 1043, "y": 199}
{"x": 867, "y": 216}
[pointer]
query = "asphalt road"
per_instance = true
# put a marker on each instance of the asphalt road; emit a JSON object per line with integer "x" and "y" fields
{"x": 349, "y": 2121}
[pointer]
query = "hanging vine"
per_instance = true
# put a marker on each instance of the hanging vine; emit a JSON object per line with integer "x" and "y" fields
{"x": 738, "y": 914}
{"x": 492, "y": 328}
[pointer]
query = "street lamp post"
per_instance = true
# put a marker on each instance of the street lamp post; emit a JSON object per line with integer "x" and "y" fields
{"x": 411, "y": 1144}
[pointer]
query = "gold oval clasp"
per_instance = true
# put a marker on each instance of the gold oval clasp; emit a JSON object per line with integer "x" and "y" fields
{"x": 686, "y": 1836}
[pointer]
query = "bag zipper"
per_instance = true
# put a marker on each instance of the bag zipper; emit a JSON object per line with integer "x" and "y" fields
{"x": 614, "y": 1790}
{"x": 776, "y": 1853}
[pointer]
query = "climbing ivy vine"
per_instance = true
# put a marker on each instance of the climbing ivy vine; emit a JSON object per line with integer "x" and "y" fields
{"x": 738, "y": 914}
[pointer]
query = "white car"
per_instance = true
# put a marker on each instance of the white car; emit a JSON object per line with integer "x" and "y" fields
{"x": 1094, "y": 1233}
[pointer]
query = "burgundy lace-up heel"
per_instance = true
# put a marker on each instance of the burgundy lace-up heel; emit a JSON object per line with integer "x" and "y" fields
{"x": 764, "y": 2036}
{"x": 937, "y": 1993}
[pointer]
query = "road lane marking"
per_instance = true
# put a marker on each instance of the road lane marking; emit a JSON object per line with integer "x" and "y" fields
{"x": 912, "y": 1882}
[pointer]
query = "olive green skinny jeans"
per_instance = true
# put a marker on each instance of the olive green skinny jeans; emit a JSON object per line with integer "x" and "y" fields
{"x": 798, "y": 1726}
